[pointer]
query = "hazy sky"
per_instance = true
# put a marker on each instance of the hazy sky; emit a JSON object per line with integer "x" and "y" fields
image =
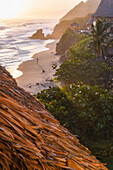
{"x": 35, "y": 8}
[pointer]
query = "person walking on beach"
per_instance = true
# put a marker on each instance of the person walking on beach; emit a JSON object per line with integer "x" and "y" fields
{"x": 37, "y": 60}
{"x": 43, "y": 71}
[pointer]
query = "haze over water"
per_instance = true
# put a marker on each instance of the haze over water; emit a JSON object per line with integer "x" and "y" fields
{"x": 15, "y": 47}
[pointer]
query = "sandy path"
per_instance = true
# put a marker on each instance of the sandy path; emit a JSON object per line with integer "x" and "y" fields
{"x": 33, "y": 78}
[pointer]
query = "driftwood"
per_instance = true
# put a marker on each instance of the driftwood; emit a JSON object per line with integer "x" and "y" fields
{"x": 31, "y": 138}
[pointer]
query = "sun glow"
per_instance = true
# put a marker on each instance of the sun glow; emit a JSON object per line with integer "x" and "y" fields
{"x": 11, "y": 8}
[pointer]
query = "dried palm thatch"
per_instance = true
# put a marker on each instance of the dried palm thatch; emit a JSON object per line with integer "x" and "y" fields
{"x": 105, "y": 9}
{"x": 30, "y": 137}
{"x": 74, "y": 24}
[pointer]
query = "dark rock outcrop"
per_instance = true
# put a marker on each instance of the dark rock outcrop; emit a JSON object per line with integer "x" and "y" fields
{"x": 38, "y": 35}
{"x": 31, "y": 138}
{"x": 67, "y": 40}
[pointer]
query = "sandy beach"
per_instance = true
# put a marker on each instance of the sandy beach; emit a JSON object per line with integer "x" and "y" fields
{"x": 38, "y": 75}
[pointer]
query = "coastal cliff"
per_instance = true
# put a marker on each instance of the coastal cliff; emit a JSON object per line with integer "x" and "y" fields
{"x": 67, "y": 40}
{"x": 31, "y": 138}
{"x": 82, "y": 9}
{"x": 75, "y": 15}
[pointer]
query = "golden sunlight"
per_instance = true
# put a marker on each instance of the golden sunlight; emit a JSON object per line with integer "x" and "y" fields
{"x": 11, "y": 8}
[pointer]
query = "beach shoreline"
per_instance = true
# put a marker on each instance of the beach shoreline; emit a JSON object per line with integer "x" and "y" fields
{"x": 38, "y": 74}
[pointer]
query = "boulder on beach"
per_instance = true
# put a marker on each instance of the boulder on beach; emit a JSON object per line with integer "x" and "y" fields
{"x": 38, "y": 35}
{"x": 48, "y": 36}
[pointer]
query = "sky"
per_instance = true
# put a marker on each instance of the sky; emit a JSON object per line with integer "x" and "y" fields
{"x": 35, "y": 8}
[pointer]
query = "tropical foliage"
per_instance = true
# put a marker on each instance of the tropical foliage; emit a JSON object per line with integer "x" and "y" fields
{"x": 56, "y": 101}
{"x": 101, "y": 36}
{"x": 86, "y": 111}
{"x": 109, "y": 162}
{"x": 83, "y": 65}
{"x": 84, "y": 104}
{"x": 68, "y": 39}
{"x": 94, "y": 110}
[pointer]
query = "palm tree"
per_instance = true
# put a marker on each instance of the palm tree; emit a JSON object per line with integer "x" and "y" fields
{"x": 101, "y": 37}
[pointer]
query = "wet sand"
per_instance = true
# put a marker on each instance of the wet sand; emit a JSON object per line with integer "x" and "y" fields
{"x": 38, "y": 75}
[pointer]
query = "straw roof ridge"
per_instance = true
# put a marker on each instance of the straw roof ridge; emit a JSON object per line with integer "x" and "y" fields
{"x": 74, "y": 24}
{"x": 105, "y": 9}
{"x": 31, "y": 138}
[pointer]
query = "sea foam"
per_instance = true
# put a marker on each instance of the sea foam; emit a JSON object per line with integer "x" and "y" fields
{"x": 15, "y": 47}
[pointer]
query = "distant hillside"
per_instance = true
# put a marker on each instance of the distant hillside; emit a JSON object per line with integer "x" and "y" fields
{"x": 82, "y": 9}
{"x": 79, "y": 14}
{"x": 64, "y": 25}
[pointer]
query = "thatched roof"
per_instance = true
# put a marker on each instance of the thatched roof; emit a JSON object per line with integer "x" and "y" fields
{"x": 74, "y": 24}
{"x": 30, "y": 137}
{"x": 105, "y": 9}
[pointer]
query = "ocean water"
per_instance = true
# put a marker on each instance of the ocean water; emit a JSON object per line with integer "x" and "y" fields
{"x": 16, "y": 47}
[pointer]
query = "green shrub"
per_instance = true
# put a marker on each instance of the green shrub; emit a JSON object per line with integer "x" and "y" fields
{"x": 94, "y": 110}
{"x": 56, "y": 101}
{"x": 67, "y": 40}
{"x": 108, "y": 162}
{"x": 84, "y": 66}
{"x": 87, "y": 112}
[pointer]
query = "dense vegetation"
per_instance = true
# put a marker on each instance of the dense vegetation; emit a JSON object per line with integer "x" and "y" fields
{"x": 84, "y": 105}
{"x": 86, "y": 111}
{"x": 56, "y": 101}
{"x": 68, "y": 39}
{"x": 83, "y": 65}
{"x": 90, "y": 106}
{"x": 101, "y": 38}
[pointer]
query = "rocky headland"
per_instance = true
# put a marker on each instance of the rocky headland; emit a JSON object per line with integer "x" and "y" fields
{"x": 67, "y": 40}
{"x": 75, "y": 15}
{"x": 38, "y": 35}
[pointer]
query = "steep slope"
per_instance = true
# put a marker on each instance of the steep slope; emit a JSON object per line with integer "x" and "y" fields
{"x": 82, "y": 9}
{"x": 68, "y": 39}
{"x": 81, "y": 14}
{"x": 30, "y": 137}
{"x": 64, "y": 25}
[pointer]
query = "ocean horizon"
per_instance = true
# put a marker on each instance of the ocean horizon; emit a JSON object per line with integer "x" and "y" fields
{"x": 16, "y": 47}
